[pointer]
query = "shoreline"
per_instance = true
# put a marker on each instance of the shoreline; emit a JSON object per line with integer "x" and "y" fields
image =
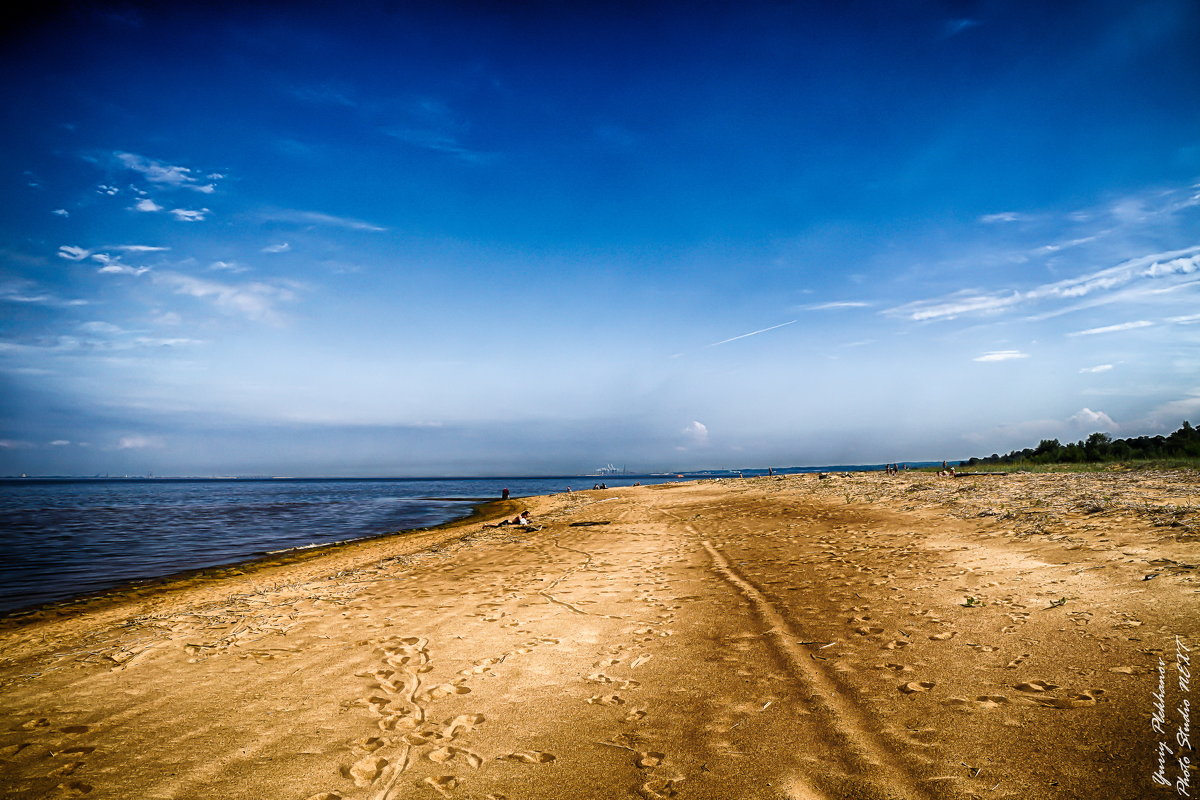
{"x": 183, "y": 579}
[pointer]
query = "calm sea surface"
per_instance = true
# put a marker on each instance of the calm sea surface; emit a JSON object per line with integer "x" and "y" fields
{"x": 63, "y": 538}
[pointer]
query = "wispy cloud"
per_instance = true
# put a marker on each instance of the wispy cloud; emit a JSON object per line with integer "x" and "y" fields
{"x": 1096, "y": 369}
{"x": 161, "y": 174}
{"x": 1155, "y": 266}
{"x": 25, "y": 291}
{"x": 1187, "y": 319}
{"x": 837, "y": 305}
{"x": 319, "y": 218}
{"x": 138, "y": 248}
{"x": 190, "y": 214}
{"x": 62, "y": 212}
{"x": 1124, "y": 326}
{"x": 73, "y": 253}
{"x": 139, "y": 442}
{"x": 1003, "y": 216}
{"x": 228, "y": 266}
{"x": 282, "y": 247}
{"x": 1001, "y": 355}
{"x": 147, "y": 205}
{"x": 954, "y": 27}
{"x": 114, "y": 266}
{"x": 256, "y": 301}
{"x": 752, "y": 333}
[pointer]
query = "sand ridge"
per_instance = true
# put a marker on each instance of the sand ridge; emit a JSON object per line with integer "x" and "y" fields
{"x": 859, "y": 636}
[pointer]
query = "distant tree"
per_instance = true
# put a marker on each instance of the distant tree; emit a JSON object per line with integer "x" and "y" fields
{"x": 1100, "y": 447}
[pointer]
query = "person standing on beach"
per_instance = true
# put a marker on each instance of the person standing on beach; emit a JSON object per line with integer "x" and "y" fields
{"x": 504, "y": 494}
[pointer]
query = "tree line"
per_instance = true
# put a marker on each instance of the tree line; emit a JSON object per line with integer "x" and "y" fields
{"x": 1183, "y": 443}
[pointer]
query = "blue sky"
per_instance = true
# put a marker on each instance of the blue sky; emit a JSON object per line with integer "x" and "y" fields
{"x": 394, "y": 240}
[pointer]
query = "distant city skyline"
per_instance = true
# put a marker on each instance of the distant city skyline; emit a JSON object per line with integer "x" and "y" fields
{"x": 476, "y": 240}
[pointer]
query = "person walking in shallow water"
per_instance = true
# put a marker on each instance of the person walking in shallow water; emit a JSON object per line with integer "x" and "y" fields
{"x": 504, "y": 494}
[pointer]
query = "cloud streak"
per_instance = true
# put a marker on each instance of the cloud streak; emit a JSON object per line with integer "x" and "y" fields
{"x": 319, "y": 218}
{"x": 1156, "y": 266}
{"x": 1124, "y": 326}
{"x": 1001, "y": 355}
{"x": 256, "y": 301}
{"x": 752, "y": 333}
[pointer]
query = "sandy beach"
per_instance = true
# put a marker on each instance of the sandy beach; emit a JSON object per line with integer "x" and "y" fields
{"x": 843, "y": 636}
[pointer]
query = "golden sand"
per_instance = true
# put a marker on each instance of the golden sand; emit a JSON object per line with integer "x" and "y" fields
{"x": 856, "y": 636}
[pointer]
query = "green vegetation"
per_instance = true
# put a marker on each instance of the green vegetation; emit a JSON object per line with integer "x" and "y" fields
{"x": 1100, "y": 451}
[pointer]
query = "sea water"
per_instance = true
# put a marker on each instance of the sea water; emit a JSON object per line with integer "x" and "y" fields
{"x": 64, "y": 538}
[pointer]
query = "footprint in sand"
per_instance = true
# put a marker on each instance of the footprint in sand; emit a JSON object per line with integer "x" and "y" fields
{"x": 1016, "y": 662}
{"x": 896, "y": 667}
{"x": 463, "y": 723}
{"x": 70, "y": 768}
{"x": 369, "y": 744}
{"x": 394, "y": 722}
{"x": 990, "y": 701}
{"x": 606, "y": 700}
{"x": 366, "y": 770}
{"x": 73, "y": 751}
{"x": 442, "y": 784}
{"x": 635, "y": 715}
{"x": 325, "y": 796}
{"x": 912, "y": 687}
{"x": 650, "y": 759}
{"x": 945, "y": 635}
{"x": 660, "y": 788}
{"x": 74, "y": 788}
{"x": 443, "y": 754}
{"x": 444, "y": 690}
{"x": 1035, "y": 686}
{"x": 528, "y": 757}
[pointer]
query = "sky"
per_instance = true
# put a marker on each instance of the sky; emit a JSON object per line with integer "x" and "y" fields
{"x": 537, "y": 238}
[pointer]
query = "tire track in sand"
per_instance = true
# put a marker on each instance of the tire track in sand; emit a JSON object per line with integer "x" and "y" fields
{"x": 864, "y": 753}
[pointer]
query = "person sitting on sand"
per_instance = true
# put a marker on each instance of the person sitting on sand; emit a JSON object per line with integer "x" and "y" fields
{"x": 519, "y": 519}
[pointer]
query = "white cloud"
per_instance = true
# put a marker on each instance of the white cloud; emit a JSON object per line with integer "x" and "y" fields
{"x": 1096, "y": 369}
{"x": 59, "y": 443}
{"x": 146, "y": 204}
{"x": 139, "y": 248}
{"x": 122, "y": 269}
{"x": 62, "y": 212}
{"x": 837, "y": 305}
{"x": 1188, "y": 319}
{"x": 1124, "y": 326}
{"x": 697, "y": 433}
{"x": 157, "y": 171}
{"x": 108, "y": 190}
{"x": 1003, "y": 216}
{"x": 153, "y": 341}
{"x": 189, "y": 214}
{"x": 1086, "y": 418}
{"x": 100, "y": 327}
{"x": 318, "y": 218}
{"x": 1154, "y": 266}
{"x": 256, "y": 301}
{"x": 227, "y": 266}
{"x": 207, "y": 188}
{"x": 13, "y": 444}
{"x": 73, "y": 253}
{"x": 139, "y": 442}
{"x": 282, "y": 247}
{"x": 1001, "y": 355}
